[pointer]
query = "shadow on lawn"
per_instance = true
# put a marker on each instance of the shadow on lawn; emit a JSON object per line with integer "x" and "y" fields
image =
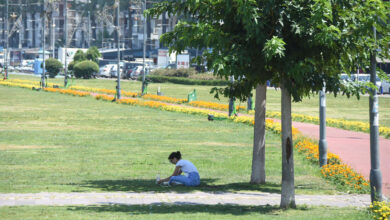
{"x": 148, "y": 185}
{"x": 193, "y": 208}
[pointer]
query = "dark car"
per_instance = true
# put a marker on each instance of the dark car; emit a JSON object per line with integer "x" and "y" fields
{"x": 128, "y": 69}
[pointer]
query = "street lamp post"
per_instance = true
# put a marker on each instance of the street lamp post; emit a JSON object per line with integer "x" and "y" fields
{"x": 43, "y": 45}
{"x": 89, "y": 23}
{"x": 7, "y": 43}
{"x": 231, "y": 100}
{"x": 53, "y": 26}
{"x": 375, "y": 172}
{"x": 118, "y": 87}
{"x": 322, "y": 144}
{"x": 66, "y": 43}
{"x": 144, "y": 54}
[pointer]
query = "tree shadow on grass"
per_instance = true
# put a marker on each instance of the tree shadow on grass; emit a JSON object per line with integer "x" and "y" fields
{"x": 193, "y": 208}
{"x": 149, "y": 185}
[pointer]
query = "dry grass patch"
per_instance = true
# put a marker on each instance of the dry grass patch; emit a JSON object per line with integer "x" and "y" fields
{"x": 22, "y": 147}
{"x": 226, "y": 144}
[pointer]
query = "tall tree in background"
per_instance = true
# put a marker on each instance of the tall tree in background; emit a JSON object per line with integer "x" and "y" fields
{"x": 298, "y": 44}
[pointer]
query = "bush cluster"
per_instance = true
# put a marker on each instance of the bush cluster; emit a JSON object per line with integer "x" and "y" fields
{"x": 185, "y": 81}
{"x": 53, "y": 67}
{"x": 88, "y": 69}
{"x": 174, "y": 72}
{"x": 85, "y": 69}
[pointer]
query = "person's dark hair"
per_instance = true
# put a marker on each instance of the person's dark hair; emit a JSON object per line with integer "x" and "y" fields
{"x": 176, "y": 155}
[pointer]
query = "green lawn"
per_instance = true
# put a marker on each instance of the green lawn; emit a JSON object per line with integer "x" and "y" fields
{"x": 58, "y": 143}
{"x": 337, "y": 107}
{"x": 201, "y": 212}
{"x": 55, "y": 142}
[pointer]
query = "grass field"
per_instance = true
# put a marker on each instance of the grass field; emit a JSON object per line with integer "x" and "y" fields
{"x": 57, "y": 143}
{"x": 339, "y": 107}
{"x": 181, "y": 212}
{"x": 53, "y": 142}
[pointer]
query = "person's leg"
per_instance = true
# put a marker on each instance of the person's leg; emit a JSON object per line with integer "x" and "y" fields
{"x": 181, "y": 179}
{"x": 194, "y": 179}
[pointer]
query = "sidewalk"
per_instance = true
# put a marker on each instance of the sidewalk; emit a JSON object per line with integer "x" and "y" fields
{"x": 197, "y": 198}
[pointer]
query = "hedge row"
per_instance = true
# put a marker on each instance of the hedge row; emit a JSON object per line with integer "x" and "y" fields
{"x": 185, "y": 81}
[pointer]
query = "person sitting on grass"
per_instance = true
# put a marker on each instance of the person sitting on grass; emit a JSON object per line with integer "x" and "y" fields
{"x": 191, "y": 177}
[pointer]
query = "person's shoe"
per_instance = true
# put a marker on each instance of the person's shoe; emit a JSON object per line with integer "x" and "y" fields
{"x": 166, "y": 184}
{"x": 174, "y": 183}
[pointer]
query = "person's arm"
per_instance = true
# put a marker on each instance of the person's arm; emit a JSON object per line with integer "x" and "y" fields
{"x": 176, "y": 172}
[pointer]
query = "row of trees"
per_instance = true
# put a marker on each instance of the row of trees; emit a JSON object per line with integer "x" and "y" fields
{"x": 300, "y": 45}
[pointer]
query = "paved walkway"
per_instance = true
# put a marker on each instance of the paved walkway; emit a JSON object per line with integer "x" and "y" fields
{"x": 198, "y": 198}
{"x": 354, "y": 149}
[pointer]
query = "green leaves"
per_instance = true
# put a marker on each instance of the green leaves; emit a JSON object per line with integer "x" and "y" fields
{"x": 305, "y": 42}
{"x": 274, "y": 48}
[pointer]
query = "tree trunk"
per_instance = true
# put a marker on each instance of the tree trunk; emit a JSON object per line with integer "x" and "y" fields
{"x": 258, "y": 160}
{"x": 288, "y": 191}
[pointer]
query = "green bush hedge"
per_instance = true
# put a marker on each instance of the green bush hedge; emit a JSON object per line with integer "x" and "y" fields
{"x": 185, "y": 81}
{"x": 53, "y": 67}
{"x": 85, "y": 69}
{"x": 175, "y": 72}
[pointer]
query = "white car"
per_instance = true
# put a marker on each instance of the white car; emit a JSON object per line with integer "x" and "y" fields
{"x": 105, "y": 71}
{"x": 114, "y": 72}
{"x": 137, "y": 71}
{"x": 386, "y": 87}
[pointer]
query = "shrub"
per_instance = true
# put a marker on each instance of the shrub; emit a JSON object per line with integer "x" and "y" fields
{"x": 204, "y": 76}
{"x": 85, "y": 69}
{"x": 53, "y": 67}
{"x": 93, "y": 54}
{"x": 175, "y": 72}
{"x": 79, "y": 56}
{"x": 185, "y": 81}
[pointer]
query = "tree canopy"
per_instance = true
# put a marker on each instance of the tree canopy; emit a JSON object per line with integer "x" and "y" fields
{"x": 303, "y": 42}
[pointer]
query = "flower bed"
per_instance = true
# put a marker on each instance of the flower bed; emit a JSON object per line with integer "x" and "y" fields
{"x": 213, "y": 105}
{"x": 310, "y": 149}
{"x": 67, "y": 91}
{"x": 106, "y": 91}
{"x": 380, "y": 210}
{"x": 335, "y": 171}
{"x": 16, "y": 84}
{"x": 343, "y": 175}
{"x": 164, "y": 98}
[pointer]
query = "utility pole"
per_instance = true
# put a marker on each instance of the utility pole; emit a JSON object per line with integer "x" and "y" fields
{"x": 118, "y": 87}
{"x": 43, "y": 44}
{"x": 6, "y": 40}
{"x": 53, "y": 26}
{"x": 375, "y": 172}
{"x": 322, "y": 144}
{"x": 144, "y": 72}
{"x": 21, "y": 26}
{"x": 89, "y": 23}
{"x": 66, "y": 43}
{"x": 231, "y": 100}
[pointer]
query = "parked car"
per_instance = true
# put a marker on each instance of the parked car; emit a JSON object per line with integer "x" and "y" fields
{"x": 353, "y": 79}
{"x": 114, "y": 72}
{"x": 128, "y": 68}
{"x": 386, "y": 86}
{"x": 136, "y": 72}
{"x": 105, "y": 71}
